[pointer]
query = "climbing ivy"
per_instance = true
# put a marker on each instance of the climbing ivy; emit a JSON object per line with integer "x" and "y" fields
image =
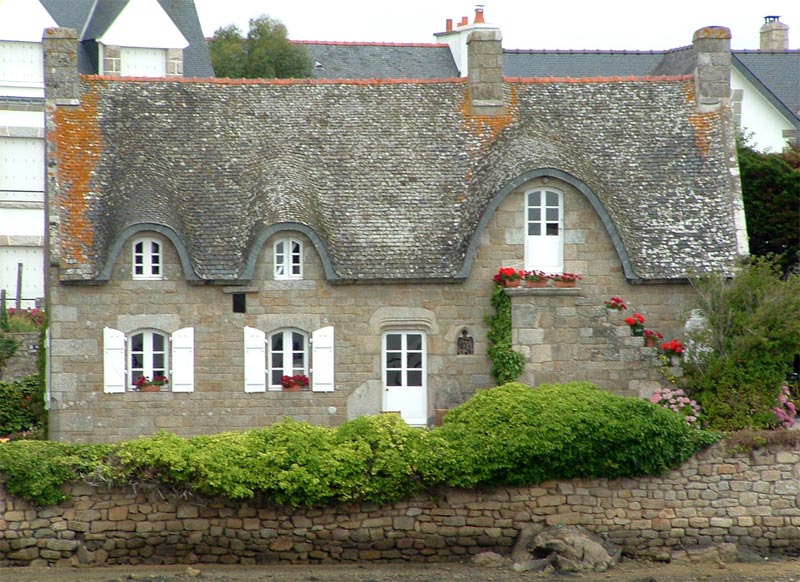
{"x": 507, "y": 365}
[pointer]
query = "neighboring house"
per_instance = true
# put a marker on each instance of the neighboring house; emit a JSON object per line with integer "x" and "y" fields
{"x": 765, "y": 83}
{"x": 117, "y": 37}
{"x": 227, "y": 233}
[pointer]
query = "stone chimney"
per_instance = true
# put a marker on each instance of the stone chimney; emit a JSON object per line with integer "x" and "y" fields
{"x": 711, "y": 55}
{"x": 774, "y": 35}
{"x": 485, "y": 50}
{"x": 61, "y": 79}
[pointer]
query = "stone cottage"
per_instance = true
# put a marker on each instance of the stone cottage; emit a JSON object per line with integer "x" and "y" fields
{"x": 228, "y": 233}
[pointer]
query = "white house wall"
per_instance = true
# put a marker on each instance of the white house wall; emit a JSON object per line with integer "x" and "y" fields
{"x": 144, "y": 24}
{"x": 23, "y": 20}
{"x": 760, "y": 120}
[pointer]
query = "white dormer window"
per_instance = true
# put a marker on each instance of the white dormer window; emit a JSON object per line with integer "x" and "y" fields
{"x": 147, "y": 259}
{"x": 288, "y": 259}
{"x": 143, "y": 62}
{"x": 544, "y": 230}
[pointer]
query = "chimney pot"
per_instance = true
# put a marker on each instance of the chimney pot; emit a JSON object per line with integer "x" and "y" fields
{"x": 448, "y": 25}
{"x": 464, "y": 21}
{"x": 479, "y": 14}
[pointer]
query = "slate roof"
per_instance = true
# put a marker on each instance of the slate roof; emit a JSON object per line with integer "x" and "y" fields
{"x": 395, "y": 178}
{"x": 353, "y": 60}
{"x": 78, "y": 14}
{"x": 777, "y": 72}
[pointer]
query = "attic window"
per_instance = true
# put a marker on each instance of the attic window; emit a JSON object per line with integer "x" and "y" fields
{"x": 147, "y": 259}
{"x": 288, "y": 259}
{"x": 318, "y": 66}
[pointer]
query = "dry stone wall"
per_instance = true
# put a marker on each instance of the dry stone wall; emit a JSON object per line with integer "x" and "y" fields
{"x": 752, "y": 500}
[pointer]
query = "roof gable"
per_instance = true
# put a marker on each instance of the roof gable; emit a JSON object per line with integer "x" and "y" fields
{"x": 142, "y": 23}
{"x": 23, "y": 20}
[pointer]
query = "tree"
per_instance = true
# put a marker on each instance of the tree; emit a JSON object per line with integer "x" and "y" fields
{"x": 771, "y": 192}
{"x": 266, "y": 53}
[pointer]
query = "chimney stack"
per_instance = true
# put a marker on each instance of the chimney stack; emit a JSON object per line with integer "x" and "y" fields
{"x": 774, "y": 35}
{"x": 485, "y": 65}
{"x": 711, "y": 54}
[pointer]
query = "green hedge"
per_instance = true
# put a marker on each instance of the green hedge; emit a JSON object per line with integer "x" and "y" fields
{"x": 21, "y": 406}
{"x": 509, "y": 435}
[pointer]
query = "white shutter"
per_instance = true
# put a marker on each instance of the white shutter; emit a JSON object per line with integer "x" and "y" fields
{"x": 182, "y": 379}
{"x": 255, "y": 379}
{"x": 113, "y": 361}
{"x": 322, "y": 359}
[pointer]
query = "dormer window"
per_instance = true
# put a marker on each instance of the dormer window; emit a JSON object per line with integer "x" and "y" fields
{"x": 544, "y": 230}
{"x": 147, "y": 259}
{"x": 288, "y": 259}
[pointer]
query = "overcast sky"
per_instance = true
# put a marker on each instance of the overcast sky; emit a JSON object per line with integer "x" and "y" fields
{"x": 525, "y": 24}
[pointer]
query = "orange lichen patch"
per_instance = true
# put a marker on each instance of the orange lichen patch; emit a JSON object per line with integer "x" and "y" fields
{"x": 488, "y": 127}
{"x": 221, "y": 81}
{"x": 76, "y": 146}
{"x": 703, "y": 123}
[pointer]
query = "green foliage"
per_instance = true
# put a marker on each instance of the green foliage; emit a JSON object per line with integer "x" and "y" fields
{"x": 37, "y": 470}
{"x": 771, "y": 193}
{"x": 21, "y": 406}
{"x": 8, "y": 347}
{"x": 750, "y": 336}
{"x": 518, "y": 435}
{"x": 266, "y": 53}
{"x": 507, "y": 365}
{"x": 511, "y": 435}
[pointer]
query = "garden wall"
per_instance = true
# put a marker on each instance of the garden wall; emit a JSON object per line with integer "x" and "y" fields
{"x": 749, "y": 499}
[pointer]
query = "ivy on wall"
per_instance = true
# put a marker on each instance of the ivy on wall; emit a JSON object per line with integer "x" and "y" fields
{"x": 507, "y": 365}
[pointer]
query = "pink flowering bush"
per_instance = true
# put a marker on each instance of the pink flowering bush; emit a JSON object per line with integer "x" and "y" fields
{"x": 785, "y": 411}
{"x": 677, "y": 401}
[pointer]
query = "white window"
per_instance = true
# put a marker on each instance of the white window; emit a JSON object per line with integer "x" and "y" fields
{"x": 404, "y": 375}
{"x": 544, "y": 236}
{"x": 147, "y": 259}
{"x": 286, "y": 353}
{"x": 150, "y": 353}
{"x": 288, "y": 259}
{"x": 147, "y": 355}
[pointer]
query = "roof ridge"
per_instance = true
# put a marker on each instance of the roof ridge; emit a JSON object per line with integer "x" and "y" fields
{"x": 583, "y": 51}
{"x": 609, "y": 79}
{"x": 225, "y": 81}
{"x": 368, "y": 43}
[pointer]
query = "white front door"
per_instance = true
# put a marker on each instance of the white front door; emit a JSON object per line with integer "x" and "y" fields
{"x": 544, "y": 240}
{"x": 404, "y": 376}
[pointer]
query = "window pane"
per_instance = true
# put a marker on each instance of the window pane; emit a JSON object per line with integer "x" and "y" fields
{"x": 552, "y": 214}
{"x": 298, "y": 361}
{"x": 552, "y": 229}
{"x": 298, "y": 341}
{"x": 394, "y": 341}
{"x": 136, "y": 362}
{"x": 534, "y": 213}
{"x": 277, "y": 341}
{"x": 158, "y": 362}
{"x": 534, "y": 199}
{"x": 394, "y": 378}
{"x": 279, "y": 248}
{"x": 275, "y": 377}
{"x": 552, "y": 199}
{"x": 414, "y": 341}
{"x": 138, "y": 248}
{"x": 393, "y": 360}
{"x": 137, "y": 342}
{"x": 414, "y": 378}
{"x": 158, "y": 342}
{"x": 534, "y": 229}
{"x": 414, "y": 360}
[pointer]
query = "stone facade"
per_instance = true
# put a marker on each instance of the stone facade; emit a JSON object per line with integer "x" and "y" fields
{"x": 566, "y": 334}
{"x": 752, "y": 500}
{"x": 24, "y": 362}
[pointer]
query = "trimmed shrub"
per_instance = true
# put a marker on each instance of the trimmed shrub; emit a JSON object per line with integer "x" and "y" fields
{"x": 517, "y": 435}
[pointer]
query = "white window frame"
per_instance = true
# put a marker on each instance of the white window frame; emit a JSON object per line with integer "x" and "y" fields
{"x": 258, "y": 375}
{"x": 118, "y": 371}
{"x": 288, "y": 258}
{"x": 287, "y": 354}
{"x": 405, "y": 352}
{"x": 147, "y": 356}
{"x": 150, "y": 259}
{"x": 544, "y": 251}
